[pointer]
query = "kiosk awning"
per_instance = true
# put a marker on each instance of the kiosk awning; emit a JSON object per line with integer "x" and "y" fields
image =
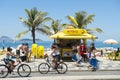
{"x": 61, "y": 35}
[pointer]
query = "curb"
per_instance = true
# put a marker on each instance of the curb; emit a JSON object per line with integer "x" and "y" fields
{"x": 79, "y": 70}
{"x": 80, "y": 77}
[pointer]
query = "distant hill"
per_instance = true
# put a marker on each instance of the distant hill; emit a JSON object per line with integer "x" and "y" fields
{"x": 38, "y": 39}
{"x": 5, "y": 38}
{"x": 26, "y": 39}
{"x": 8, "y": 39}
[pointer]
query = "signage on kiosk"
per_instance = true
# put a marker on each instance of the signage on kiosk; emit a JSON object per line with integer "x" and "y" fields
{"x": 74, "y": 31}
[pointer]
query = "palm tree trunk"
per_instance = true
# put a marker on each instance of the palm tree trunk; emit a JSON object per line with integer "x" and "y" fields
{"x": 33, "y": 34}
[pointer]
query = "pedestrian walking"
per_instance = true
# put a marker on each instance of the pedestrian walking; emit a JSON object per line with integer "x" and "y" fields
{"x": 92, "y": 50}
{"x": 82, "y": 50}
{"x": 3, "y": 44}
{"x": 93, "y": 63}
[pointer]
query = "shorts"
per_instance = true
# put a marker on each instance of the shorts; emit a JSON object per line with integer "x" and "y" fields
{"x": 23, "y": 58}
{"x": 94, "y": 62}
{"x": 18, "y": 52}
{"x": 57, "y": 57}
{"x": 6, "y": 61}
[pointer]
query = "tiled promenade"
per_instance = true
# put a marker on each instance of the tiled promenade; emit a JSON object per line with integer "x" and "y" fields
{"x": 104, "y": 64}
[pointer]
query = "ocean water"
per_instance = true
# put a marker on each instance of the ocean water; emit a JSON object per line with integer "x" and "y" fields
{"x": 47, "y": 44}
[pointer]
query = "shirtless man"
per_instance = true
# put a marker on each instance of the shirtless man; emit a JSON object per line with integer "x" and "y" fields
{"x": 19, "y": 48}
{"x": 25, "y": 50}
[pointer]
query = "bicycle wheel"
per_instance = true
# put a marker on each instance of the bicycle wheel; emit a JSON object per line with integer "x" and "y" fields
{"x": 24, "y": 70}
{"x": 43, "y": 68}
{"x": 62, "y": 68}
{"x": 3, "y": 71}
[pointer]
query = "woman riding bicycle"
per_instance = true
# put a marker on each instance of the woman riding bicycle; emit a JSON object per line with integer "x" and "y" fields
{"x": 9, "y": 58}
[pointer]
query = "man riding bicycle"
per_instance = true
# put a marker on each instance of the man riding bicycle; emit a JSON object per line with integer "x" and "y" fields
{"x": 56, "y": 55}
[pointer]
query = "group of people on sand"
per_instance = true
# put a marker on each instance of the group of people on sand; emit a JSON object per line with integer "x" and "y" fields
{"x": 82, "y": 53}
{"x": 11, "y": 57}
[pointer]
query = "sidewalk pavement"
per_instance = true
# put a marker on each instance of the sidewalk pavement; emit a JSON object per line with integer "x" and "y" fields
{"x": 62, "y": 77}
{"x": 104, "y": 64}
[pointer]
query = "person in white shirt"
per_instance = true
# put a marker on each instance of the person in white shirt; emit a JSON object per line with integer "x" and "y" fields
{"x": 22, "y": 51}
{"x": 8, "y": 58}
{"x": 56, "y": 55}
{"x": 19, "y": 49}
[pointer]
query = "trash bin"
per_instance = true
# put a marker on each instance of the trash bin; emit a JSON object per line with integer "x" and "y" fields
{"x": 40, "y": 53}
{"x": 34, "y": 50}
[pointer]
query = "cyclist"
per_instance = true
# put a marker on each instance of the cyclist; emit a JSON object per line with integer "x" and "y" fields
{"x": 56, "y": 56}
{"x": 9, "y": 58}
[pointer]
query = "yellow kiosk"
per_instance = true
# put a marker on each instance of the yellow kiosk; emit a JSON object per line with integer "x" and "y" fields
{"x": 68, "y": 37}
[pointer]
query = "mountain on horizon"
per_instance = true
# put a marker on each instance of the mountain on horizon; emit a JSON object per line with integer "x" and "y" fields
{"x": 27, "y": 39}
{"x": 5, "y": 38}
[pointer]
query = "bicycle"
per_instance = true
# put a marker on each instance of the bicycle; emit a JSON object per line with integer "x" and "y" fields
{"x": 44, "y": 67}
{"x": 23, "y": 69}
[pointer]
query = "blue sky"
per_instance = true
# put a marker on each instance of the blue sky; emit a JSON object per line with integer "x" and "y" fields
{"x": 107, "y": 15}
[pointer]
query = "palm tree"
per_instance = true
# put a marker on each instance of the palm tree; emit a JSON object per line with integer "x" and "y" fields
{"x": 55, "y": 27}
{"x": 81, "y": 20}
{"x": 34, "y": 22}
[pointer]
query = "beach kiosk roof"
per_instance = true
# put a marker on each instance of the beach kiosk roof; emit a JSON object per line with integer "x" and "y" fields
{"x": 73, "y": 34}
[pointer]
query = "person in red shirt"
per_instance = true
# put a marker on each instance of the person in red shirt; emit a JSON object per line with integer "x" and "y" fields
{"x": 82, "y": 50}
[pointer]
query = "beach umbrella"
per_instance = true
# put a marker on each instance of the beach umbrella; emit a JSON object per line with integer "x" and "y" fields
{"x": 110, "y": 41}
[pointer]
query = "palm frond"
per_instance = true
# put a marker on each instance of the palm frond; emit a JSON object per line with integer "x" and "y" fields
{"x": 87, "y": 20}
{"x": 62, "y": 26}
{"x": 46, "y": 19}
{"x": 43, "y": 14}
{"x": 73, "y": 20}
{"x": 22, "y": 19}
{"x": 79, "y": 16}
{"x": 44, "y": 31}
{"x": 19, "y": 35}
{"x": 28, "y": 13}
{"x": 25, "y": 22}
{"x": 99, "y": 30}
{"x": 92, "y": 30}
{"x": 46, "y": 27}
{"x": 37, "y": 21}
